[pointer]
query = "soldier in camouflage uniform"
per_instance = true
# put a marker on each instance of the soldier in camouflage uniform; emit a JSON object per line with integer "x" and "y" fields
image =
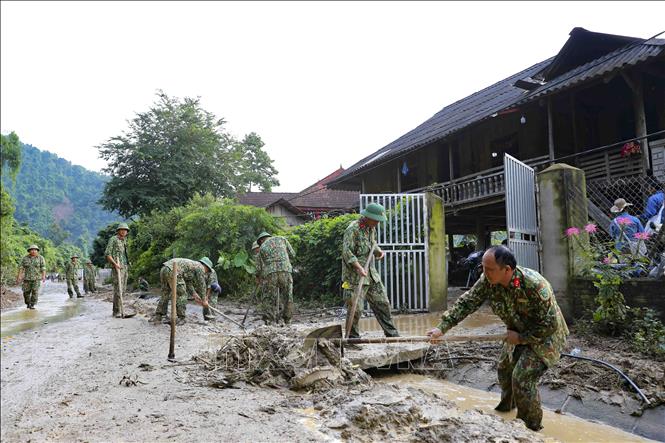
{"x": 359, "y": 237}
{"x": 89, "y": 276}
{"x": 273, "y": 270}
{"x": 33, "y": 272}
{"x": 536, "y": 334}
{"x": 117, "y": 256}
{"x": 71, "y": 276}
{"x": 191, "y": 277}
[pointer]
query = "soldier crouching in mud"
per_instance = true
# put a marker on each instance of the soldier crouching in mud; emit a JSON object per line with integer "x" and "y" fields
{"x": 536, "y": 333}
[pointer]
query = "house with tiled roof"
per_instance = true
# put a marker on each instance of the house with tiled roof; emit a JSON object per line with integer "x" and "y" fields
{"x": 309, "y": 204}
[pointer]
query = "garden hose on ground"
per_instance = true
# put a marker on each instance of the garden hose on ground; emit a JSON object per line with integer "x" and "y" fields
{"x": 600, "y": 362}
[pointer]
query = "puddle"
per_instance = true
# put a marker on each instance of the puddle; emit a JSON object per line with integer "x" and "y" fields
{"x": 481, "y": 321}
{"x": 557, "y": 427}
{"x": 54, "y": 305}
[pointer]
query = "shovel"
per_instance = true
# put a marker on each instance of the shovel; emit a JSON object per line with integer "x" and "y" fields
{"x": 334, "y": 334}
{"x": 354, "y": 301}
{"x": 253, "y": 299}
{"x": 122, "y": 306}
{"x": 217, "y": 311}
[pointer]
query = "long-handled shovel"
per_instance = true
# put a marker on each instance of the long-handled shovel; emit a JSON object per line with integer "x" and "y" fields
{"x": 122, "y": 304}
{"x": 174, "y": 284}
{"x": 354, "y": 301}
{"x": 333, "y": 333}
{"x": 252, "y": 300}
{"x": 218, "y": 312}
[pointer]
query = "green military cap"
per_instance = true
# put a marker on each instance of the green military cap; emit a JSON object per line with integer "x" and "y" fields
{"x": 206, "y": 261}
{"x": 74, "y": 256}
{"x": 88, "y": 261}
{"x": 255, "y": 245}
{"x": 122, "y": 226}
{"x": 263, "y": 234}
{"x": 33, "y": 247}
{"x": 374, "y": 211}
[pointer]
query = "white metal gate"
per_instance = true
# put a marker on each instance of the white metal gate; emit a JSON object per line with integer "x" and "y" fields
{"x": 403, "y": 237}
{"x": 521, "y": 215}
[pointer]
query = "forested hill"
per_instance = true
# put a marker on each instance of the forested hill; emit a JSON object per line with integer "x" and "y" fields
{"x": 58, "y": 199}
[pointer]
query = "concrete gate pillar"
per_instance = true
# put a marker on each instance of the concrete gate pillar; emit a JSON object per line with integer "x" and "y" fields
{"x": 438, "y": 283}
{"x": 562, "y": 204}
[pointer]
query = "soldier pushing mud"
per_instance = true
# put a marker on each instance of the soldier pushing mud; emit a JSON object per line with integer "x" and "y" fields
{"x": 536, "y": 333}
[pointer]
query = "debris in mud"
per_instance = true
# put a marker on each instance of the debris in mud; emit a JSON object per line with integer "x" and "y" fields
{"x": 8, "y": 298}
{"x": 146, "y": 367}
{"x": 128, "y": 381}
{"x": 397, "y": 413}
{"x": 275, "y": 357}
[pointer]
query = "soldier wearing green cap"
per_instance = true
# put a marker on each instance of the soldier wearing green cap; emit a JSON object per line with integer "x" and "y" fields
{"x": 33, "y": 272}
{"x": 89, "y": 276}
{"x": 273, "y": 270}
{"x": 359, "y": 238}
{"x": 191, "y": 278}
{"x": 71, "y": 276}
{"x": 117, "y": 255}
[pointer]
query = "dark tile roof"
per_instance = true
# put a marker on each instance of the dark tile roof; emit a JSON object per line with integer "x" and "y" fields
{"x": 263, "y": 199}
{"x": 615, "y": 60}
{"x": 499, "y": 97}
{"x": 452, "y": 118}
{"x": 327, "y": 199}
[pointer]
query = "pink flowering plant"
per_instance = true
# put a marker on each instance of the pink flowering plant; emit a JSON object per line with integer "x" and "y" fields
{"x": 608, "y": 267}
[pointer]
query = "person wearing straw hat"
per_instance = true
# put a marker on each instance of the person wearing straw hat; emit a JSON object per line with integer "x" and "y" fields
{"x": 117, "y": 255}
{"x": 191, "y": 278}
{"x": 273, "y": 270}
{"x": 359, "y": 238}
{"x": 33, "y": 272}
{"x": 71, "y": 276}
{"x": 624, "y": 227}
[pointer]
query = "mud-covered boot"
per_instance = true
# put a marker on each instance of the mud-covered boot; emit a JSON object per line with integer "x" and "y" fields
{"x": 505, "y": 405}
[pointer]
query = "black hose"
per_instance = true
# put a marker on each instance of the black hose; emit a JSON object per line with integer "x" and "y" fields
{"x": 593, "y": 360}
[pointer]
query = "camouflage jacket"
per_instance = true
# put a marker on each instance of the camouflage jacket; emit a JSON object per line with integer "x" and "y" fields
{"x": 117, "y": 249}
{"x": 33, "y": 267}
{"x": 358, "y": 240}
{"x": 211, "y": 278}
{"x": 274, "y": 256}
{"x": 527, "y": 306}
{"x": 89, "y": 271}
{"x": 193, "y": 274}
{"x": 71, "y": 269}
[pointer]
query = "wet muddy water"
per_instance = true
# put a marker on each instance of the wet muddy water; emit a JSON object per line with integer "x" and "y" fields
{"x": 481, "y": 322}
{"x": 557, "y": 427}
{"x": 54, "y": 305}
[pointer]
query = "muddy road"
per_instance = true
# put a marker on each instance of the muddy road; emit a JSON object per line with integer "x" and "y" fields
{"x": 71, "y": 372}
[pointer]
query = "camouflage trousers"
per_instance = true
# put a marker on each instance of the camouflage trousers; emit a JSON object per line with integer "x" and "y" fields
{"x": 72, "y": 285}
{"x": 375, "y": 294}
{"x": 119, "y": 279}
{"x": 276, "y": 300}
{"x": 89, "y": 285}
{"x": 519, "y": 378}
{"x": 166, "y": 281}
{"x": 31, "y": 291}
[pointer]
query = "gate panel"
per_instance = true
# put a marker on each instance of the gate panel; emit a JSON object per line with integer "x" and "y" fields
{"x": 521, "y": 215}
{"x": 403, "y": 237}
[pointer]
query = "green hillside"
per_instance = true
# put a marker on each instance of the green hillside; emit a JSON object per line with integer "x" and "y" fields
{"x": 58, "y": 199}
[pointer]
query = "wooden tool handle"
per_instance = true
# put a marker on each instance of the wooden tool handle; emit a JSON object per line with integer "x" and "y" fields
{"x": 174, "y": 288}
{"x": 424, "y": 338}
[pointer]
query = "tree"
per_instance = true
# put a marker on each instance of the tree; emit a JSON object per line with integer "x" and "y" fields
{"x": 255, "y": 166}
{"x": 10, "y": 153}
{"x": 172, "y": 151}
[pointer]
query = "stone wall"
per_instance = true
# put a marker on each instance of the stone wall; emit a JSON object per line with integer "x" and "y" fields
{"x": 639, "y": 293}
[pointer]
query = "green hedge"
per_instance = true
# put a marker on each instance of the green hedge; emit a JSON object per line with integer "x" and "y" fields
{"x": 318, "y": 267}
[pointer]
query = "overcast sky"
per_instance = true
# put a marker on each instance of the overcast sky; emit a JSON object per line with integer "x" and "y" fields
{"x": 323, "y": 83}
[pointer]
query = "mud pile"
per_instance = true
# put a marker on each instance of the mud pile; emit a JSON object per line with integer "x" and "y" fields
{"x": 8, "y": 298}
{"x": 276, "y": 357}
{"x": 400, "y": 413}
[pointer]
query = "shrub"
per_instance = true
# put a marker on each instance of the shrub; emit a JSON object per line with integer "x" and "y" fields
{"x": 317, "y": 266}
